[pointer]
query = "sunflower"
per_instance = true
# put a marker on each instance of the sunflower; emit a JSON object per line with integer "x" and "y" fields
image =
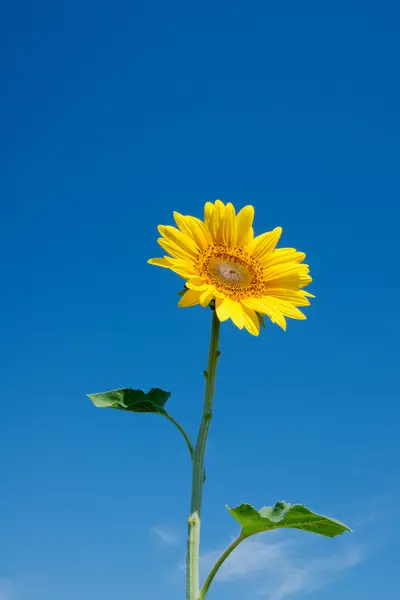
{"x": 247, "y": 277}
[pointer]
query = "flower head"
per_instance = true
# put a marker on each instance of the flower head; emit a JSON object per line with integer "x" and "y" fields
{"x": 246, "y": 276}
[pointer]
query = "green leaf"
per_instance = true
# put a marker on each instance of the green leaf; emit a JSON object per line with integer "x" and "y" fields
{"x": 132, "y": 400}
{"x": 284, "y": 515}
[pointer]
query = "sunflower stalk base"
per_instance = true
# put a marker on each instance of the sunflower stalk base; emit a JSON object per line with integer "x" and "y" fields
{"x": 192, "y": 584}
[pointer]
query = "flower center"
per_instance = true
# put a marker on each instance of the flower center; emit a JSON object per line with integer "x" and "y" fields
{"x": 231, "y": 270}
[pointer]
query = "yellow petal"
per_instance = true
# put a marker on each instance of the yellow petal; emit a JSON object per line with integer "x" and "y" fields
{"x": 175, "y": 250}
{"x": 181, "y": 267}
{"x": 229, "y": 226}
{"x": 160, "y": 262}
{"x": 261, "y": 306}
{"x": 286, "y": 308}
{"x": 244, "y": 222}
{"x": 250, "y": 321}
{"x": 281, "y": 255}
{"x": 285, "y": 270}
{"x": 182, "y": 272}
{"x": 230, "y": 309}
{"x": 206, "y": 297}
{"x": 183, "y": 241}
{"x": 295, "y": 281}
{"x": 194, "y": 228}
{"x": 249, "y": 237}
{"x": 218, "y": 221}
{"x": 296, "y": 297}
{"x": 208, "y": 213}
{"x": 222, "y": 308}
{"x": 237, "y": 314}
{"x": 264, "y": 244}
{"x": 197, "y": 283}
{"x": 189, "y": 298}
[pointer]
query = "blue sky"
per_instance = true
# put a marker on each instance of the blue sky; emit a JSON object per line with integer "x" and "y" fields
{"x": 114, "y": 114}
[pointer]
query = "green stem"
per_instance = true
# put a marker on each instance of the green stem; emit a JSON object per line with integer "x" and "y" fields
{"x": 192, "y": 557}
{"x": 183, "y": 432}
{"x": 217, "y": 565}
{"x": 194, "y": 553}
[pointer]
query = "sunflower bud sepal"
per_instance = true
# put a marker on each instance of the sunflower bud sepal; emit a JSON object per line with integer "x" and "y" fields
{"x": 182, "y": 292}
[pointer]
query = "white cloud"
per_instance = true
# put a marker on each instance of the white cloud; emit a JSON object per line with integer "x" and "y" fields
{"x": 310, "y": 574}
{"x": 165, "y": 536}
{"x": 283, "y": 569}
{"x": 7, "y": 590}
